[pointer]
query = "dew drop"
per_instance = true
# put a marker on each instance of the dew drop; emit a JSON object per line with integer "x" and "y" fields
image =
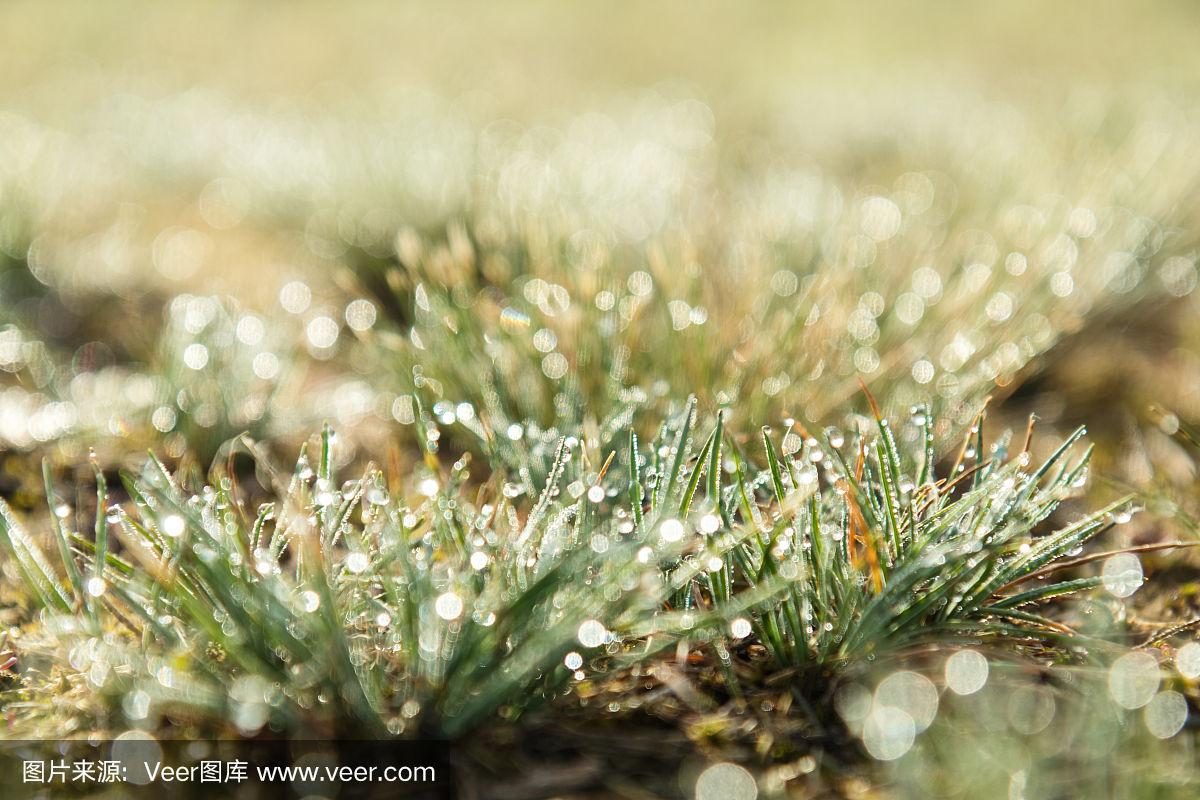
{"x": 448, "y": 606}
{"x": 671, "y": 530}
{"x": 173, "y": 526}
{"x": 310, "y": 601}
{"x": 835, "y": 437}
{"x": 592, "y": 633}
{"x": 357, "y": 562}
{"x": 1122, "y": 574}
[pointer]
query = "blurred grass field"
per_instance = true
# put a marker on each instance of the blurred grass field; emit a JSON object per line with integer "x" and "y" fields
{"x": 522, "y": 259}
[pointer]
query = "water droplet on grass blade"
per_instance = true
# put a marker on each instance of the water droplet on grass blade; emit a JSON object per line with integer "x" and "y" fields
{"x": 448, "y": 606}
{"x": 173, "y": 526}
{"x": 835, "y": 437}
{"x": 919, "y": 414}
{"x": 592, "y": 633}
{"x": 310, "y": 601}
{"x": 671, "y": 530}
{"x": 1122, "y": 574}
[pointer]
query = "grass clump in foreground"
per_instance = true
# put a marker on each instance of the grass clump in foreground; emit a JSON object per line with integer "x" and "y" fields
{"x": 435, "y": 602}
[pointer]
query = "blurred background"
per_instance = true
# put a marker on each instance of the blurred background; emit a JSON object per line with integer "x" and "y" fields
{"x": 231, "y": 151}
{"x": 217, "y": 218}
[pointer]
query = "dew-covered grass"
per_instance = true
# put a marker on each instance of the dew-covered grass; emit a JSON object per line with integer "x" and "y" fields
{"x": 819, "y": 438}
